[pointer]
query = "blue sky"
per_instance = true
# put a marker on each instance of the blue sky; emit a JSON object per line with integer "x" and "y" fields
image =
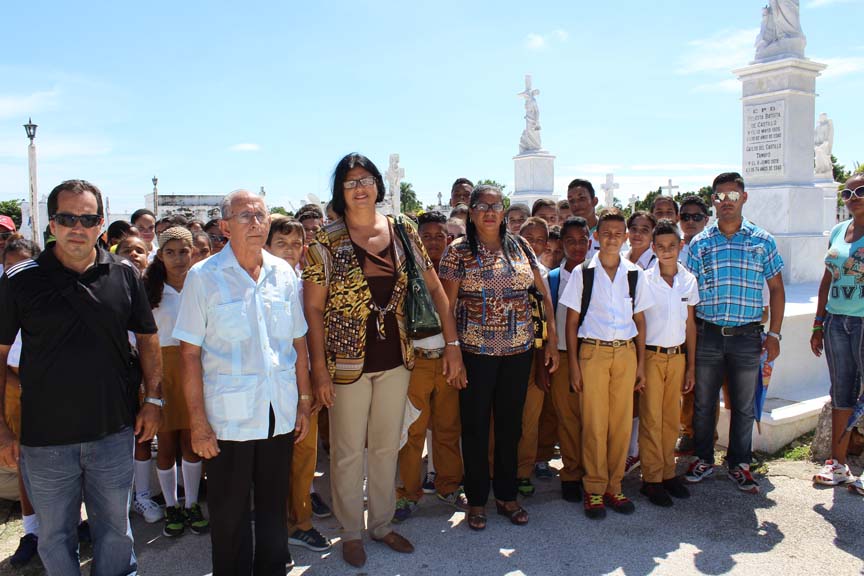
{"x": 213, "y": 96}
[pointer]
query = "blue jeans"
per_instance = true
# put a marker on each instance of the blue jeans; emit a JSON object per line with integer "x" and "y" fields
{"x": 844, "y": 351}
{"x": 57, "y": 477}
{"x": 736, "y": 358}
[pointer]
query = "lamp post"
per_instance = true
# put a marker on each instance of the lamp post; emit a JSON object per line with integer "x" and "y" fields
{"x": 155, "y": 197}
{"x": 34, "y": 196}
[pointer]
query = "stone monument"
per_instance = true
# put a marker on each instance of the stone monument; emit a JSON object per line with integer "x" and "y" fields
{"x": 609, "y": 188}
{"x": 779, "y": 112}
{"x": 535, "y": 167}
{"x": 394, "y": 176}
{"x": 669, "y": 189}
{"x": 823, "y": 147}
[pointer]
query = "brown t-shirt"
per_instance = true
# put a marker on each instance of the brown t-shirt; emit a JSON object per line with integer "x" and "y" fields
{"x": 380, "y": 273}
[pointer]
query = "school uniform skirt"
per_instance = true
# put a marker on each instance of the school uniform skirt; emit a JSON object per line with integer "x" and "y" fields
{"x": 175, "y": 415}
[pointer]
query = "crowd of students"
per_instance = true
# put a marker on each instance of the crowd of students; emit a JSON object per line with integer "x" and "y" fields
{"x": 608, "y": 337}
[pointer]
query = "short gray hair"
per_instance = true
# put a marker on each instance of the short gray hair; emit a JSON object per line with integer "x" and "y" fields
{"x": 225, "y": 205}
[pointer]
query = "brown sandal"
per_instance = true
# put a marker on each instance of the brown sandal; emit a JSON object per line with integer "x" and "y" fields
{"x": 476, "y": 520}
{"x": 517, "y": 515}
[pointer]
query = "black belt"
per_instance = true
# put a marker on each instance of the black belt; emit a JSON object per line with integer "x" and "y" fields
{"x": 662, "y": 350}
{"x": 606, "y": 343}
{"x": 750, "y": 328}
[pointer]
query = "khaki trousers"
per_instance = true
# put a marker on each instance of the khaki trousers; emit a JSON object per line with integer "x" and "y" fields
{"x": 302, "y": 473}
{"x": 660, "y": 414}
{"x": 608, "y": 377}
{"x": 438, "y": 403}
{"x": 534, "y": 397}
{"x": 548, "y": 433}
{"x": 568, "y": 409}
{"x": 367, "y": 412}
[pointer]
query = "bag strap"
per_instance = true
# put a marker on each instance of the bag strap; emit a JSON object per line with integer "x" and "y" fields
{"x": 410, "y": 262}
{"x": 587, "y": 288}
{"x": 554, "y": 282}
{"x": 632, "y": 279}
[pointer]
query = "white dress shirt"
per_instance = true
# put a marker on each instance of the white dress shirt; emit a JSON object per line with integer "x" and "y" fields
{"x": 166, "y": 315}
{"x": 246, "y": 330}
{"x": 610, "y": 314}
{"x": 666, "y": 320}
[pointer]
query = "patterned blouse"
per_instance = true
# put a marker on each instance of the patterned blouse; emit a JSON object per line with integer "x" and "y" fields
{"x": 332, "y": 262}
{"x": 493, "y": 313}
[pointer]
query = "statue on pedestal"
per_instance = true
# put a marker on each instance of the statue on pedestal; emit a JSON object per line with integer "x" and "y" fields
{"x": 394, "y": 176}
{"x": 781, "y": 34}
{"x": 824, "y": 144}
{"x": 530, "y": 140}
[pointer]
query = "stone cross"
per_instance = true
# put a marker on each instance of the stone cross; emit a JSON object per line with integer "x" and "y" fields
{"x": 394, "y": 176}
{"x": 669, "y": 189}
{"x": 439, "y": 199}
{"x": 633, "y": 200}
{"x": 609, "y": 187}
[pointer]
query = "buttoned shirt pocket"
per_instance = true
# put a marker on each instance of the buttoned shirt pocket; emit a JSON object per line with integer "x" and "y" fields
{"x": 232, "y": 401}
{"x": 233, "y": 321}
{"x": 281, "y": 322}
{"x": 286, "y": 395}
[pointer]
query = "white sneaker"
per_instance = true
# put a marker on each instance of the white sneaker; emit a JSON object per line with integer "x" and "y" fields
{"x": 833, "y": 473}
{"x": 147, "y": 508}
{"x": 857, "y": 487}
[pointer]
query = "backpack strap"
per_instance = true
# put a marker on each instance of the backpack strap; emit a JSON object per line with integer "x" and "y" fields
{"x": 554, "y": 281}
{"x": 632, "y": 279}
{"x": 587, "y": 288}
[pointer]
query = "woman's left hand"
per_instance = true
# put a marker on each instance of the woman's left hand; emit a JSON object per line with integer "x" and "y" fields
{"x": 454, "y": 370}
{"x": 551, "y": 357}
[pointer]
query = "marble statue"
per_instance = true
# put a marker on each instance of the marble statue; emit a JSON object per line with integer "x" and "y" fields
{"x": 530, "y": 140}
{"x": 781, "y": 34}
{"x": 394, "y": 176}
{"x": 824, "y": 143}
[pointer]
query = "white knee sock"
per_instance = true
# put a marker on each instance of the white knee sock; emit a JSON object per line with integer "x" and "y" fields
{"x": 634, "y": 438}
{"x": 168, "y": 482}
{"x": 191, "y": 481}
{"x": 31, "y": 524}
{"x": 142, "y": 478}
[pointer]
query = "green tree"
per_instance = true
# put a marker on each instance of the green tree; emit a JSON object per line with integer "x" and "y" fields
{"x": 408, "y": 199}
{"x": 12, "y": 208}
{"x": 280, "y": 210}
{"x": 492, "y": 183}
{"x": 841, "y": 174}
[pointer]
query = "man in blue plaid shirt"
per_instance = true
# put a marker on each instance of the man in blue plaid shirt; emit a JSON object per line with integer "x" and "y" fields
{"x": 732, "y": 260}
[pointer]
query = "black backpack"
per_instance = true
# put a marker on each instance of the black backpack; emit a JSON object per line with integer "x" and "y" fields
{"x": 588, "y": 286}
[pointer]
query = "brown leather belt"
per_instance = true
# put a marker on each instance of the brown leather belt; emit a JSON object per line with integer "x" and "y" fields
{"x": 731, "y": 330}
{"x": 606, "y": 343}
{"x": 662, "y": 350}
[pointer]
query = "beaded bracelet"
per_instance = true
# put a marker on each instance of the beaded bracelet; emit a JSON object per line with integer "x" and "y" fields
{"x": 817, "y": 329}
{"x": 819, "y": 319}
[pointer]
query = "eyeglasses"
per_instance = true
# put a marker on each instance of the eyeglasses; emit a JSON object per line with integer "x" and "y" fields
{"x": 5, "y": 235}
{"x": 70, "y": 220}
{"x": 693, "y": 217}
{"x": 366, "y": 182}
{"x": 217, "y": 238}
{"x": 483, "y": 207}
{"x": 723, "y": 196}
{"x": 846, "y": 193}
{"x": 246, "y": 217}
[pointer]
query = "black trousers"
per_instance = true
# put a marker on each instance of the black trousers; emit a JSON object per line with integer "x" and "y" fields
{"x": 495, "y": 384}
{"x": 231, "y": 476}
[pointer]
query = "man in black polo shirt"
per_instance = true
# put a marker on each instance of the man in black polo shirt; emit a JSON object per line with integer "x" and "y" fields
{"x": 74, "y": 305}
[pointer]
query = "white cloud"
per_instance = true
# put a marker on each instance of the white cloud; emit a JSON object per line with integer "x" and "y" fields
{"x": 728, "y": 86}
{"x": 685, "y": 167}
{"x": 821, "y": 3}
{"x": 535, "y": 41}
{"x": 724, "y": 51}
{"x": 592, "y": 168}
{"x": 838, "y": 67}
{"x": 12, "y": 106}
{"x": 245, "y": 147}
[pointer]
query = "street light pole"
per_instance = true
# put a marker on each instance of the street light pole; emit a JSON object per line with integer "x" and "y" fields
{"x": 155, "y": 198}
{"x": 34, "y": 196}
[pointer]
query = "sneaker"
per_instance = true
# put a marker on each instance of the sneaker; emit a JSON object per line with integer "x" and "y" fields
{"x": 656, "y": 494}
{"x": 27, "y": 548}
{"x": 676, "y": 488}
{"x": 619, "y": 503}
{"x": 741, "y": 475}
{"x": 631, "y": 464}
{"x": 319, "y": 507}
{"x": 175, "y": 521}
{"x": 311, "y": 539}
{"x": 542, "y": 470}
{"x": 147, "y": 508}
{"x": 594, "y": 506}
{"x": 571, "y": 491}
{"x": 195, "y": 519}
{"x": 404, "y": 509}
{"x": 289, "y": 562}
{"x": 698, "y": 471}
{"x": 833, "y": 473}
{"x": 429, "y": 483}
{"x": 685, "y": 445}
{"x": 84, "y": 533}
{"x": 857, "y": 487}
{"x": 524, "y": 486}
{"x": 457, "y": 499}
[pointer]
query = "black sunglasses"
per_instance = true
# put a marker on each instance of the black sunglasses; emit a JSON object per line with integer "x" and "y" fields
{"x": 692, "y": 217}
{"x": 846, "y": 193}
{"x": 5, "y": 235}
{"x": 217, "y": 238}
{"x": 69, "y": 220}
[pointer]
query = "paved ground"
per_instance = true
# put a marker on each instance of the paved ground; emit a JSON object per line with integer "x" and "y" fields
{"x": 791, "y": 528}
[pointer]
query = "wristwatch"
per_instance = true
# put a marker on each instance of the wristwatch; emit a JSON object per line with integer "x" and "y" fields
{"x": 453, "y": 343}
{"x": 775, "y": 335}
{"x": 155, "y": 401}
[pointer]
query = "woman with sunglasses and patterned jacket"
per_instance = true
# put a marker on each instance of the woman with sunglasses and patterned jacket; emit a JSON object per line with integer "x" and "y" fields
{"x": 839, "y": 329}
